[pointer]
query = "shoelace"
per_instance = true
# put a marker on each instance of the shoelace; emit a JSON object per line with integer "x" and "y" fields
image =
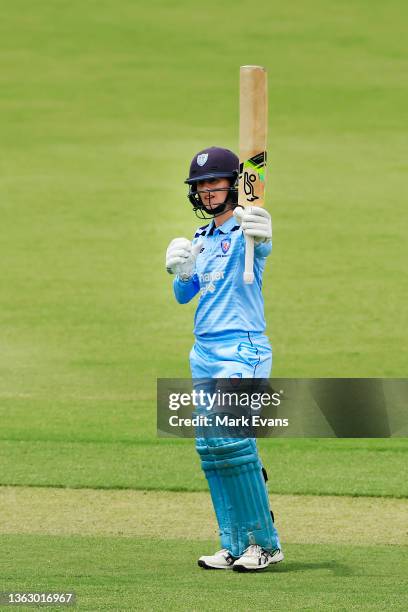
{"x": 253, "y": 549}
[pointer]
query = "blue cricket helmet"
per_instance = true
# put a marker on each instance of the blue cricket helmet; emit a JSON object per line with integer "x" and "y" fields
{"x": 211, "y": 163}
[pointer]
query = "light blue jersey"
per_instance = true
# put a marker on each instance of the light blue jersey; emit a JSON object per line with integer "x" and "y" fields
{"x": 226, "y": 303}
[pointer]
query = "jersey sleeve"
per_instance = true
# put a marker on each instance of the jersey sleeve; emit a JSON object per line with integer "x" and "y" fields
{"x": 263, "y": 249}
{"x": 186, "y": 290}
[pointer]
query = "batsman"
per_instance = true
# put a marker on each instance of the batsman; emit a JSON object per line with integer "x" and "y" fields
{"x": 224, "y": 264}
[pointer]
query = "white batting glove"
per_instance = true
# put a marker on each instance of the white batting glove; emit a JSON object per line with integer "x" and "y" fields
{"x": 181, "y": 256}
{"x": 255, "y": 221}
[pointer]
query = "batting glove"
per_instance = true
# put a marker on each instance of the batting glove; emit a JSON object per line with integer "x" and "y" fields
{"x": 255, "y": 222}
{"x": 181, "y": 257}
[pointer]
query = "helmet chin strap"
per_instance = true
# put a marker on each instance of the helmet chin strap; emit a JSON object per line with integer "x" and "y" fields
{"x": 218, "y": 210}
{"x": 200, "y": 209}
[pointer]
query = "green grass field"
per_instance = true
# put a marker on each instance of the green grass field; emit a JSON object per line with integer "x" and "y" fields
{"x": 102, "y": 106}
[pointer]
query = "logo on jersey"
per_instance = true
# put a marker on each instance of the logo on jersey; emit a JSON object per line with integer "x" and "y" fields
{"x": 209, "y": 278}
{"x": 225, "y": 245}
{"x": 202, "y": 158}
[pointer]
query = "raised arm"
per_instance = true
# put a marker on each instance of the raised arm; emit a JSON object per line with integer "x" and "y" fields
{"x": 256, "y": 222}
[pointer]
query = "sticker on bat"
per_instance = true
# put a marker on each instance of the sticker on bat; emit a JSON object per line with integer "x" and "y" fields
{"x": 250, "y": 171}
{"x": 257, "y": 163}
{"x": 249, "y": 180}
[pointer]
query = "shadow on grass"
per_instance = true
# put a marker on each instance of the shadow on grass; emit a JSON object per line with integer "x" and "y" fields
{"x": 338, "y": 569}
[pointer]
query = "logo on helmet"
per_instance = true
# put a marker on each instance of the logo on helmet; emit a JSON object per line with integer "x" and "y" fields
{"x": 225, "y": 244}
{"x": 202, "y": 158}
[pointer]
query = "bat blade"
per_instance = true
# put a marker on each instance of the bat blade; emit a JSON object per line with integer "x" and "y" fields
{"x": 253, "y": 120}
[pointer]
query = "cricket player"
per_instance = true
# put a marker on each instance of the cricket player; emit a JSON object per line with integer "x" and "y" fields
{"x": 229, "y": 343}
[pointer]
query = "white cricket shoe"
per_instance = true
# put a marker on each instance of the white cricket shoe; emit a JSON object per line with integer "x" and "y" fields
{"x": 219, "y": 560}
{"x": 256, "y": 558}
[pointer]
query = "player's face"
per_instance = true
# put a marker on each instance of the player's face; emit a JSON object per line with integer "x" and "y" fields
{"x": 211, "y": 199}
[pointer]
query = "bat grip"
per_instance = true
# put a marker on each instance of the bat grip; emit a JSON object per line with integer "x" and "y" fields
{"x": 249, "y": 260}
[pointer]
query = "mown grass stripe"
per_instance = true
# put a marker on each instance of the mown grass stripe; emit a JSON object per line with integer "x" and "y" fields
{"x": 202, "y": 489}
{"x": 300, "y": 519}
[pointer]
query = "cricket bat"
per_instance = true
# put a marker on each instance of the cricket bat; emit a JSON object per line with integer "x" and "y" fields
{"x": 253, "y": 121}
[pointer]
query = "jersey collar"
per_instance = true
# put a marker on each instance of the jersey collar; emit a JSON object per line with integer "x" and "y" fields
{"x": 225, "y": 228}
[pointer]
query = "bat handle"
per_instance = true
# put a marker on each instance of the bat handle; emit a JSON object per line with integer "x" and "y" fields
{"x": 249, "y": 260}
